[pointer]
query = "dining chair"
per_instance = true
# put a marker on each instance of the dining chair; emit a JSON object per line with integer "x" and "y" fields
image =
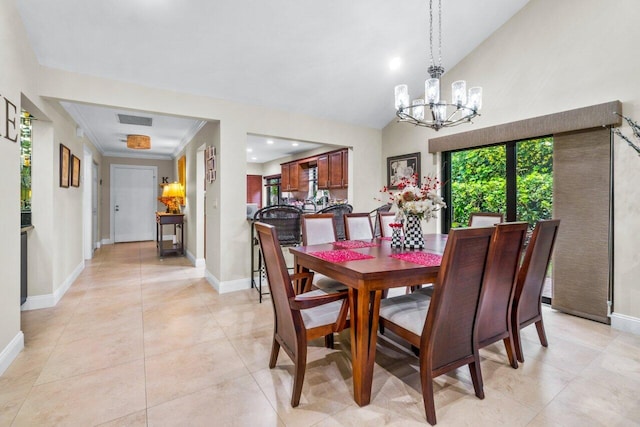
{"x": 287, "y": 221}
{"x": 496, "y": 298}
{"x": 443, "y": 326}
{"x": 485, "y": 219}
{"x": 375, "y": 215}
{"x": 338, "y": 211}
{"x": 527, "y": 300}
{"x": 316, "y": 230}
{"x": 298, "y": 318}
{"x": 357, "y": 226}
{"x": 384, "y": 219}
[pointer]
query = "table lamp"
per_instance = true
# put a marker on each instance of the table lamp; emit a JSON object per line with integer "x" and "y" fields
{"x": 173, "y": 197}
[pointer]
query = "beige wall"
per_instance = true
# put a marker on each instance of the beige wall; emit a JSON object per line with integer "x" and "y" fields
{"x": 165, "y": 168}
{"x": 227, "y": 234}
{"x": 554, "y": 56}
{"x": 55, "y": 244}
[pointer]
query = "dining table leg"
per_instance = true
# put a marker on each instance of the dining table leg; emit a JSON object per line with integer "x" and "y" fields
{"x": 365, "y": 308}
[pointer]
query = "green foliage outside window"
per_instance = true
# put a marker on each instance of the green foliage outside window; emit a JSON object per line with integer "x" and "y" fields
{"x": 478, "y": 181}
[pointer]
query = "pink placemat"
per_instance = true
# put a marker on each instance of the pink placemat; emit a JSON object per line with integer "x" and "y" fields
{"x": 354, "y": 244}
{"x": 340, "y": 255}
{"x": 422, "y": 258}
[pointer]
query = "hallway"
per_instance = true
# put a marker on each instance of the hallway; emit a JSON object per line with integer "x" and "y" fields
{"x": 142, "y": 341}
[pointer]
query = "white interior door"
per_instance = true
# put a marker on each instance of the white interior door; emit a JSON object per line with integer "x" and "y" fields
{"x": 94, "y": 207}
{"x": 133, "y": 200}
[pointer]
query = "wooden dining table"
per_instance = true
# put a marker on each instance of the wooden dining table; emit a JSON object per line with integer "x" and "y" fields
{"x": 367, "y": 279}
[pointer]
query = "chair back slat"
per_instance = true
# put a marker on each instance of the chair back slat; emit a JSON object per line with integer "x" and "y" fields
{"x": 485, "y": 219}
{"x": 279, "y": 285}
{"x": 500, "y": 278}
{"x": 338, "y": 211}
{"x": 318, "y": 229}
{"x": 358, "y": 226}
{"x": 448, "y": 330}
{"x": 385, "y": 219}
{"x": 533, "y": 271}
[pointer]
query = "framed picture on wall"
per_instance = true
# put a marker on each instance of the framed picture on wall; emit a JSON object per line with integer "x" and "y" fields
{"x": 75, "y": 171}
{"x": 182, "y": 173}
{"x": 404, "y": 166}
{"x": 65, "y": 158}
{"x": 210, "y": 164}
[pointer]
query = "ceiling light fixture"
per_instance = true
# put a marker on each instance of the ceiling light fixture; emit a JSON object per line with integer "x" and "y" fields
{"x": 465, "y": 107}
{"x": 295, "y": 144}
{"x": 269, "y": 141}
{"x": 249, "y": 150}
{"x": 138, "y": 142}
{"x": 395, "y": 63}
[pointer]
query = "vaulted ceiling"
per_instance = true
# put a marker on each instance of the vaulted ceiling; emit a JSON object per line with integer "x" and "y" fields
{"x": 328, "y": 59}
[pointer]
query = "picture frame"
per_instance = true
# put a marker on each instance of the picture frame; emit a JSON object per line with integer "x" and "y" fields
{"x": 210, "y": 164}
{"x": 75, "y": 171}
{"x": 182, "y": 173}
{"x": 65, "y": 165}
{"x": 404, "y": 166}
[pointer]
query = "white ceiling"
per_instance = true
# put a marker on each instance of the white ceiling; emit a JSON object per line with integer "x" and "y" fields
{"x": 328, "y": 59}
{"x": 262, "y": 149}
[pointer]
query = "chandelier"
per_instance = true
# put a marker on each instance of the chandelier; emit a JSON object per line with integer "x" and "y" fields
{"x": 439, "y": 113}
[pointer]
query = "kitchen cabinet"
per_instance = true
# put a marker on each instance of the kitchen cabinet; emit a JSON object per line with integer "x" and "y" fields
{"x": 290, "y": 177}
{"x": 333, "y": 170}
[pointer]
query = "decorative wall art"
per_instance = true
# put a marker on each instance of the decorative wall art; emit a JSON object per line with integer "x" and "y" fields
{"x": 75, "y": 171}
{"x": 404, "y": 166}
{"x": 182, "y": 173}
{"x": 210, "y": 164}
{"x": 65, "y": 157}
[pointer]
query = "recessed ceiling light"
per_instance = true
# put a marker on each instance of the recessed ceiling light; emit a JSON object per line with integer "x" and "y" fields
{"x": 254, "y": 158}
{"x": 395, "y": 63}
{"x": 269, "y": 141}
{"x": 249, "y": 150}
{"x": 295, "y": 144}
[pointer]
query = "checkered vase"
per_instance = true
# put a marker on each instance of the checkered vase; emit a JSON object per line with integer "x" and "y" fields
{"x": 413, "y": 233}
{"x": 396, "y": 238}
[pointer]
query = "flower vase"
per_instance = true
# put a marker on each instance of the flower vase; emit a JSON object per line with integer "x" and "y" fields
{"x": 413, "y": 238}
{"x": 396, "y": 237}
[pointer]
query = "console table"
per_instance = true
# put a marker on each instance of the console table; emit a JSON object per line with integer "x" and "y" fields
{"x": 177, "y": 220}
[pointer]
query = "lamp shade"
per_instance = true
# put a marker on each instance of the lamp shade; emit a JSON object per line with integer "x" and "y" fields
{"x": 138, "y": 142}
{"x": 173, "y": 190}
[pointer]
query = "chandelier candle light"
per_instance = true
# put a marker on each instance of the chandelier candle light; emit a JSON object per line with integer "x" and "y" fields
{"x": 465, "y": 107}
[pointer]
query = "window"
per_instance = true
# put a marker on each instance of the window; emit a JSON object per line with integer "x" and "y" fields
{"x": 272, "y": 185}
{"x": 515, "y": 179}
{"x": 25, "y": 167}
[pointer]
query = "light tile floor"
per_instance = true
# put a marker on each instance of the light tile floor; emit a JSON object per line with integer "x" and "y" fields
{"x": 142, "y": 341}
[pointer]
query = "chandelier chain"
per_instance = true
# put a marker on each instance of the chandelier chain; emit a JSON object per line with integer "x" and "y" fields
{"x": 431, "y": 30}
{"x": 440, "y": 32}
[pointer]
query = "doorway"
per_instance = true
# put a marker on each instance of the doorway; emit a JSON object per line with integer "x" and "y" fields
{"x": 133, "y": 203}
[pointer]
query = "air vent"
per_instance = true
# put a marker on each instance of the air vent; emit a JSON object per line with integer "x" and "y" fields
{"x": 135, "y": 120}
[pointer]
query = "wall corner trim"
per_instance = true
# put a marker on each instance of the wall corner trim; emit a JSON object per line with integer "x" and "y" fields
{"x": 198, "y": 263}
{"x": 11, "y": 351}
{"x": 625, "y": 323}
{"x": 227, "y": 286}
{"x": 51, "y": 300}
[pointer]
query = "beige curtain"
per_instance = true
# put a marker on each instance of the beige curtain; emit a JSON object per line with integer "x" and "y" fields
{"x": 582, "y": 200}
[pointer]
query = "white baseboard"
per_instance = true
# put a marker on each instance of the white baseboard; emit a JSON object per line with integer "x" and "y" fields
{"x": 200, "y": 262}
{"x": 625, "y": 323}
{"x": 11, "y": 351}
{"x": 37, "y": 302}
{"x": 107, "y": 242}
{"x": 227, "y": 286}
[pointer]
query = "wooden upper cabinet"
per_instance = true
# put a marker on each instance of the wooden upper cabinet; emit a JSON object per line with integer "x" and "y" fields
{"x": 323, "y": 171}
{"x": 333, "y": 170}
{"x": 290, "y": 177}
